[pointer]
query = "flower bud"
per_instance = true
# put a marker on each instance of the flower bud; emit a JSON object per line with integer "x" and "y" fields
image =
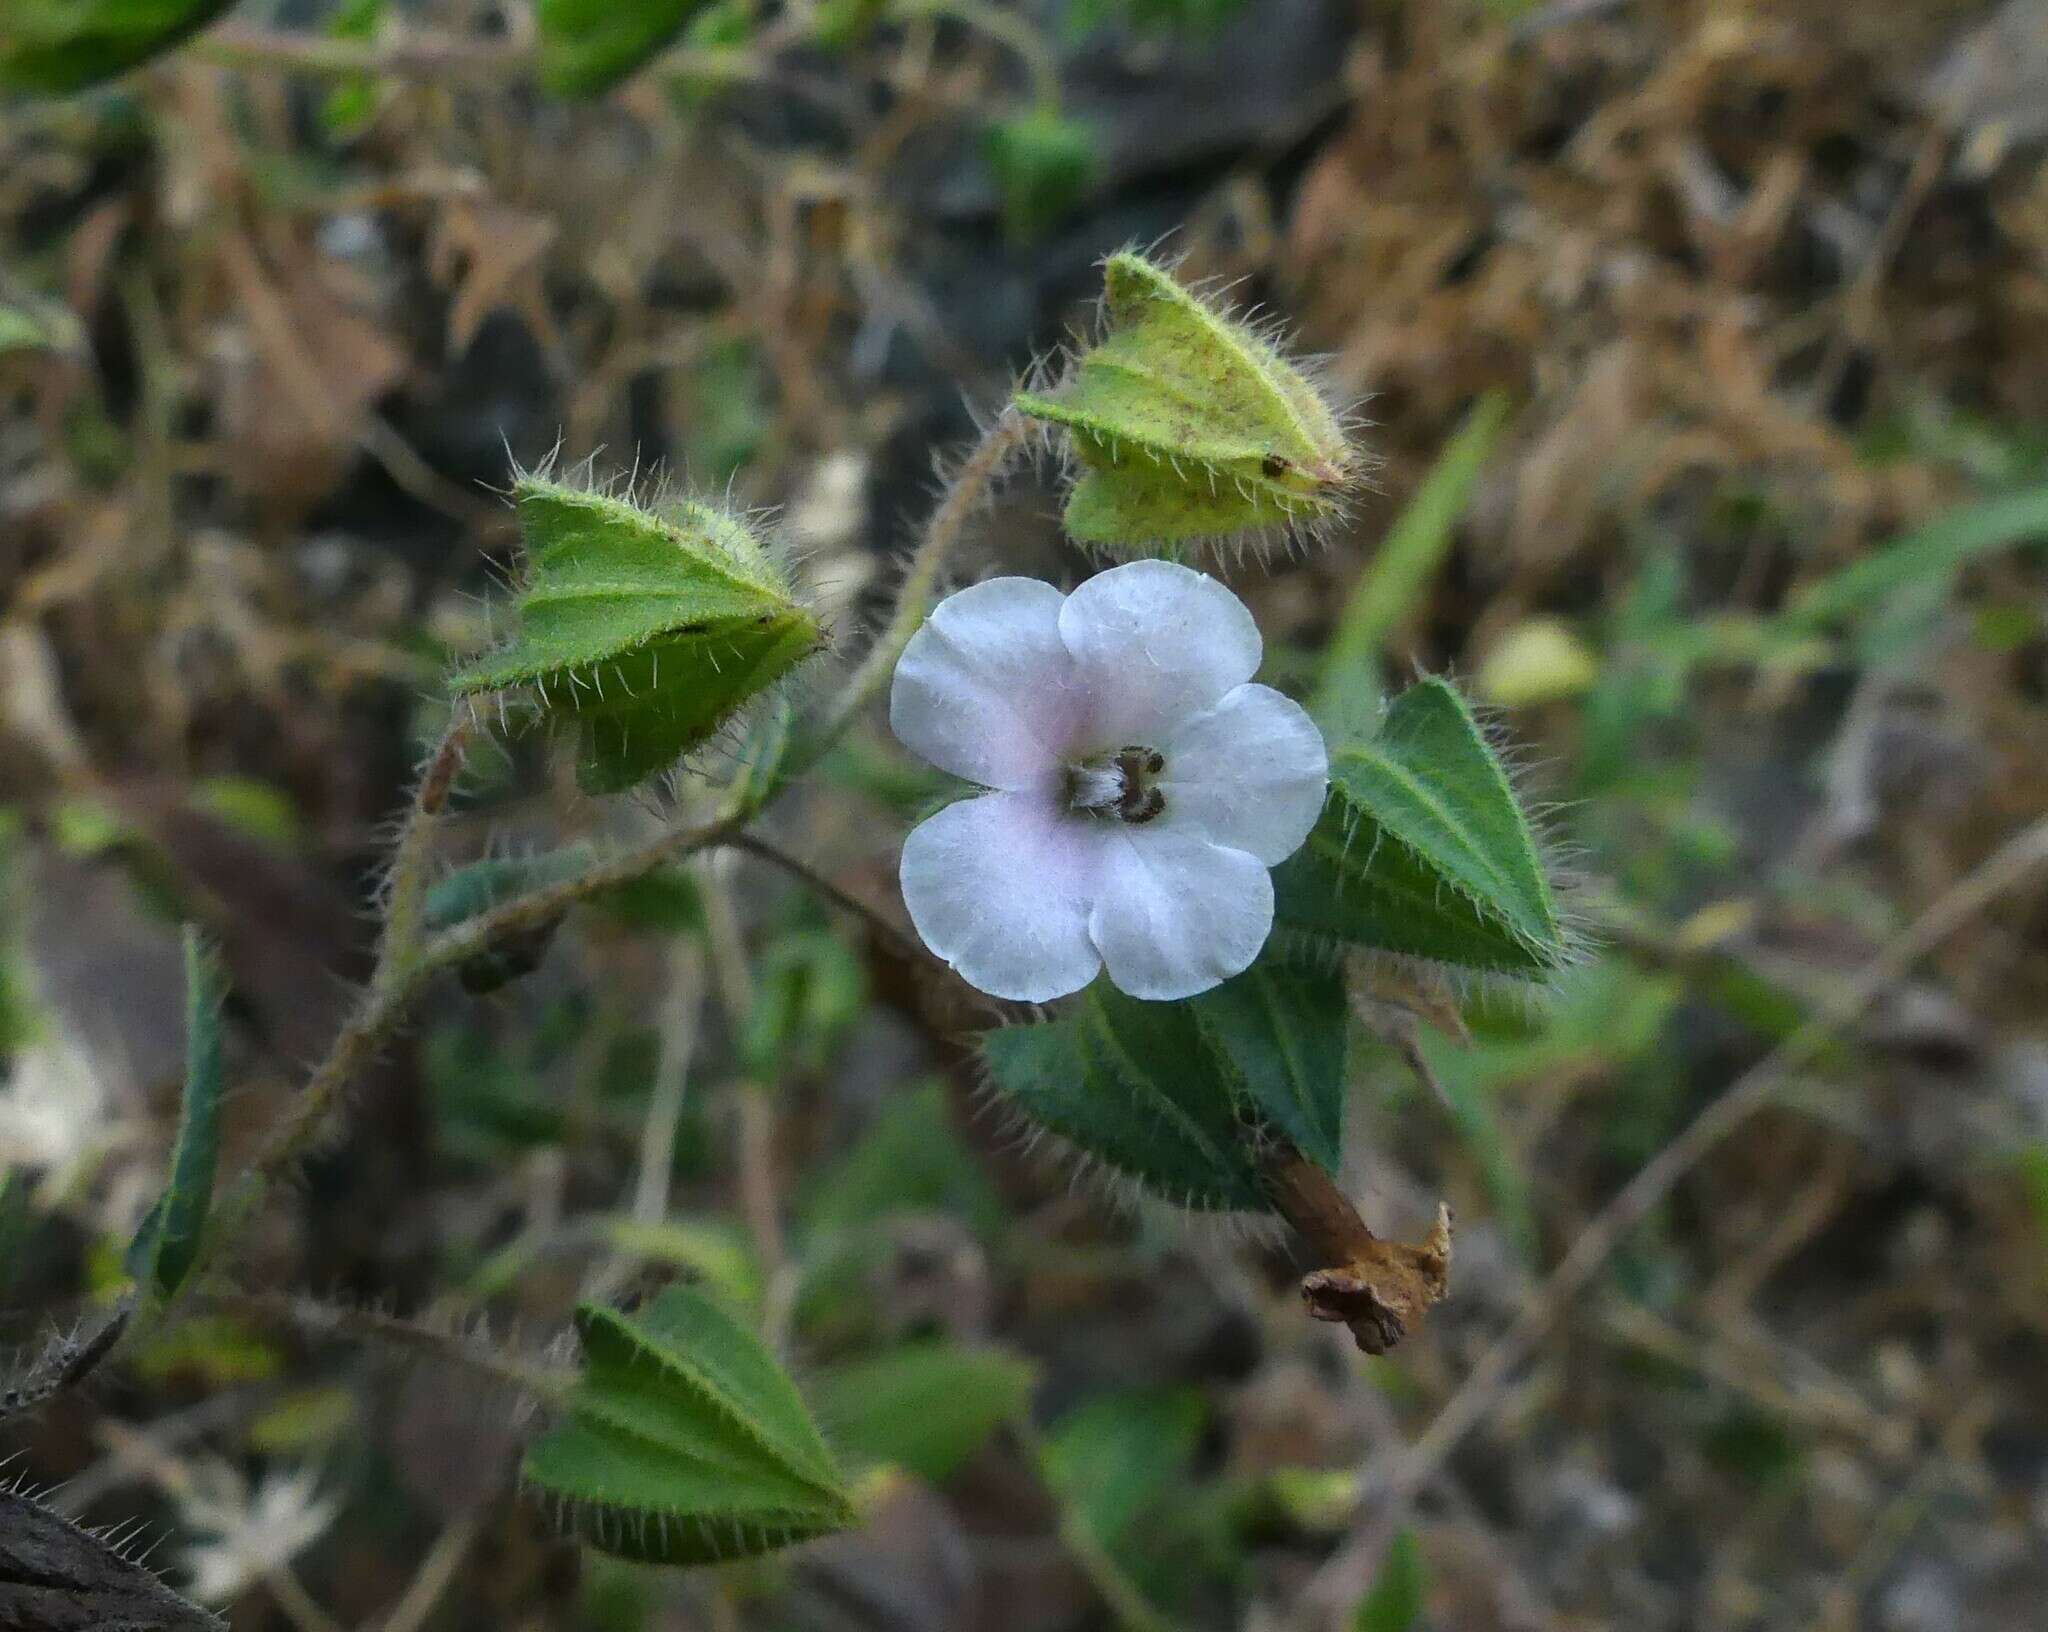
{"x": 1190, "y": 424}
{"x": 647, "y": 627}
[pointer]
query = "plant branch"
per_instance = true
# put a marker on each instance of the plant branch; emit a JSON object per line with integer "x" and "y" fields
{"x": 969, "y": 488}
{"x": 899, "y": 940}
{"x": 317, "y": 1319}
{"x": 415, "y": 848}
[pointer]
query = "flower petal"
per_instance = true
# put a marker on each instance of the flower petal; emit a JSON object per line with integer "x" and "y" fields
{"x": 1249, "y": 773}
{"x": 1176, "y": 914}
{"x": 1153, "y": 643}
{"x": 1000, "y": 887}
{"x": 985, "y": 689}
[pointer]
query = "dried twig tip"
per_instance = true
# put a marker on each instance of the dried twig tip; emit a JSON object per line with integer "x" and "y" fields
{"x": 1387, "y": 1287}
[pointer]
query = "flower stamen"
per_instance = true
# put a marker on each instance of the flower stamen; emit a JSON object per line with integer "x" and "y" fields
{"x": 1118, "y": 784}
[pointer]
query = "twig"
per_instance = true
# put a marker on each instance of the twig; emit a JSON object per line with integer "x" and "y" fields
{"x": 682, "y": 1005}
{"x": 755, "y": 845}
{"x": 416, "y": 842}
{"x": 436, "y": 1572}
{"x": 970, "y": 486}
{"x": 317, "y": 1319}
{"x": 1343, "y": 1578}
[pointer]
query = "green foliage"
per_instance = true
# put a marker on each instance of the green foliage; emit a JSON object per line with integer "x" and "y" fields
{"x": 684, "y": 1443}
{"x": 1399, "y": 1591}
{"x": 167, "y": 1244}
{"x": 19, "y": 331}
{"x": 1137, "y": 1087}
{"x": 908, "y": 1160}
{"x": 1120, "y": 1467}
{"x": 588, "y": 46}
{"x": 648, "y": 630}
{"x": 1403, "y": 565}
{"x": 1194, "y": 19}
{"x": 1282, "y": 1032}
{"x": 665, "y": 899}
{"x": 729, "y": 412}
{"x": 1116, "y": 1458}
{"x": 1189, "y": 424}
{"x": 1422, "y": 849}
{"x": 60, "y": 46}
{"x": 926, "y": 1407}
{"x": 1899, "y": 589}
{"x": 350, "y": 105}
{"x": 808, "y": 989}
{"x": 1043, "y": 162}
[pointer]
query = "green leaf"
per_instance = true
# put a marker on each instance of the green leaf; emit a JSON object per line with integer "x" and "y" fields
{"x": 927, "y": 1406}
{"x": 1136, "y": 1086}
{"x": 1043, "y": 162}
{"x": 588, "y": 46}
{"x": 808, "y": 989}
{"x": 1422, "y": 849}
{"x": 1406, "y": 559}
{"x": 350, "y": 105}
{"x": 1396, "y": 1601}
{"x": 167, "y": 1244}
{"x": 764, "y": 761}
{"x": 60, "y": 46}
{"x": 21, "y": 332}
{"x": 1930, "y": 556}
{"x": 647, "y": 630}
{"x": 1118, "y": 1458}
{"x": 684, "y": 1442}
{"x": 1189, "y": 423}
{"x": 1283, "y": 1032}
{"x": 910, "y": 1160}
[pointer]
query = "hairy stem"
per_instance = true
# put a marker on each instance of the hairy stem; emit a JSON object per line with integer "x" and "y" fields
{"x": 396, "y": 982}
{"x": 415, "y": 848}
{"x": 317, "y": 1319}
{"x": 969, "y": 488}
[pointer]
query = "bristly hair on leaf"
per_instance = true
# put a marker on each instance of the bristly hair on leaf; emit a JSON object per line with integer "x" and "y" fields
{"x": 645, "y": 624}
{"x": 1190, "y": 426}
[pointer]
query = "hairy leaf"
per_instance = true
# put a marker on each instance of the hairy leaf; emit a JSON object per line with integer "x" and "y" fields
{"x": 1422, "y": 849}
{"x": 1189, "y": 423}
{"x": 1136, "y": 1086}
{"x": 1283, "y": 1032}
{"x": 927, "y": 1406}
{"x": 647, "y": 630}
{"x": 60, "y": 46}
{"x": 55, "y": 1577}
{"x": 165, "y": 1247}
{"x": 684, "y": 1442}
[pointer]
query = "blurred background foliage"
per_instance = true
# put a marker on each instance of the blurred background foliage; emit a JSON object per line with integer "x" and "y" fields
{"x": 1707, "y": 350}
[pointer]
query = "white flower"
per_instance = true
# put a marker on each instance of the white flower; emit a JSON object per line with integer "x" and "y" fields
{"x": 1142, "y": 786}
{"x": 255, "y": 1533}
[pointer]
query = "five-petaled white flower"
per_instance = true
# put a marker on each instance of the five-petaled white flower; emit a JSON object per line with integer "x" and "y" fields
{"x": 1141, "y": 785}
